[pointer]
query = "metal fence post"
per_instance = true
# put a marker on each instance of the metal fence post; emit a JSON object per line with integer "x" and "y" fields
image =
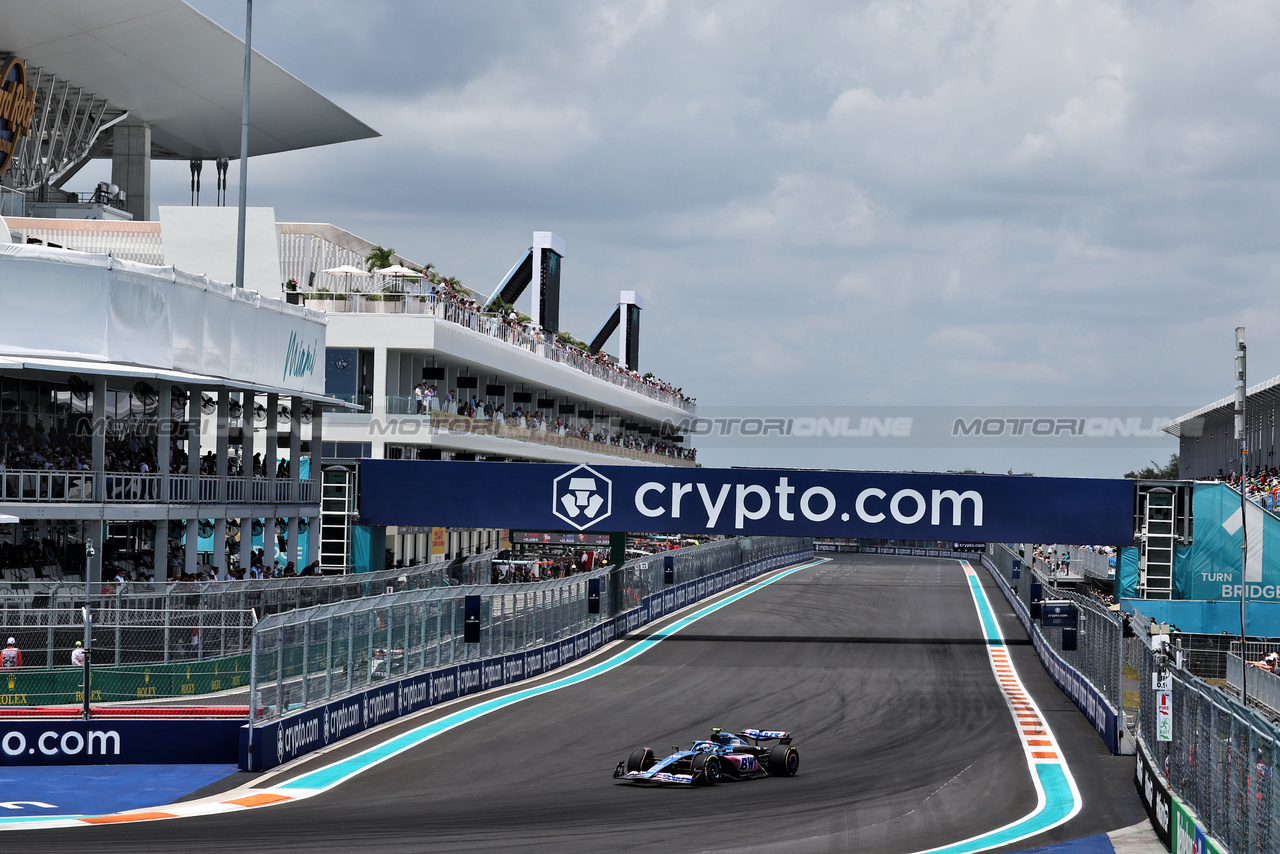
{"x": 200, "y": 635}
{"x": 253, "y": 692}
{"x": 306, "y": 660}
{"x": 351, "y": 649}
{"x": 328, "y": 658}
{"x": 370, "y": 625}
{"x": 280, "y": 698}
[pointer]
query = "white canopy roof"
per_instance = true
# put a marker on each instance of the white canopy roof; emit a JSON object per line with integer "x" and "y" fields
{"x": 176, "y": 70}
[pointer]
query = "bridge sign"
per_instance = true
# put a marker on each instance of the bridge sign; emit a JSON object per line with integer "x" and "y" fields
{"x": 787, "y": 502}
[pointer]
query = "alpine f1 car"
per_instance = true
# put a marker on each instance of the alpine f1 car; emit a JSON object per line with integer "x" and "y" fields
{"x": 725, "y": 756}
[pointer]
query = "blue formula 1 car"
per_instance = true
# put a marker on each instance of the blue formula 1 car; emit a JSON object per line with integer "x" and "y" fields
{"x": 725, "y": 756}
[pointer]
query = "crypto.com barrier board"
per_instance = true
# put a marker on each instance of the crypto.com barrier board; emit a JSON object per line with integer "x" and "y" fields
{"x": 781, "y": 502}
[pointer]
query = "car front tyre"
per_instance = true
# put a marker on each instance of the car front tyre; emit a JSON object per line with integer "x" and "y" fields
{"x": 706, "y": 769}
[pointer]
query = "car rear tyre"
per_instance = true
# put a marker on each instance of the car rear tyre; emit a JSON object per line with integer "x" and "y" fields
{"x": 784, "y": 761}
{"x": 641, "y": 759}
{"x": 706, "y": 769}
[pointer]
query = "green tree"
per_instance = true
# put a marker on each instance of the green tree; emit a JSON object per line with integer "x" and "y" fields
{"x": 378, "y": 258}
{"x": 1155, "y": 472}
{"x": 566, "y": 338}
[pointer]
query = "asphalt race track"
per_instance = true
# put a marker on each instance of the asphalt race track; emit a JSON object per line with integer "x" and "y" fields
{"x": 876, "y": 664}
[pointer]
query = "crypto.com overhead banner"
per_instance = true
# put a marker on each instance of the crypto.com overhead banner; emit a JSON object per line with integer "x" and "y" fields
{"x": 786, "y": 502}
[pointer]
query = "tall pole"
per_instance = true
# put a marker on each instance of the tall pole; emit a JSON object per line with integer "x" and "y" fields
{"x": 244, "y": 142}
{"x": 88, "y": 624}
{"x": 1242, "y": 436}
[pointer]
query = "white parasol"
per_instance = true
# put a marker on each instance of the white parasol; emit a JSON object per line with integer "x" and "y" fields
{"x": 347, "y": 271}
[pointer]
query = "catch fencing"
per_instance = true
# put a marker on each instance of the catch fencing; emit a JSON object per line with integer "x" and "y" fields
{"x": 1099, "y": 634}
{"x": 308, "y": 657}
{"x": 135, "y": 655}
{"x": 27, "y": 602}
{"x": 1260, "y": 687}
{"x": 1219, "y": 757}
{"x": 175, "y": 640}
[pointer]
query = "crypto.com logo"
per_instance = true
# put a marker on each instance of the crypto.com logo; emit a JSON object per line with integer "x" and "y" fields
{"x": 582, "y": 497}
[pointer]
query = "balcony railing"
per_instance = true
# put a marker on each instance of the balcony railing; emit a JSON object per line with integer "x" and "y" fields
{"x": 446, "y": 422}
{"x": 133, "y": 488}
{"x": 491, "y": 325}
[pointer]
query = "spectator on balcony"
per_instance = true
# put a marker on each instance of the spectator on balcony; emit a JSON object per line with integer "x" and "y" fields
{"x": 1270, "y": 662}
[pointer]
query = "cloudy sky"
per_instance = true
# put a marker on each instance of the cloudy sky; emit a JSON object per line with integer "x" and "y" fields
{"x": 884, "y": 204}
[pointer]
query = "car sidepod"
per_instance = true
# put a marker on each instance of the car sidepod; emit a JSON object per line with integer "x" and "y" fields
{"x": 742, "y": 766}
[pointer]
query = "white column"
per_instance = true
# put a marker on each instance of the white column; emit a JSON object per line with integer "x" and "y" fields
{"x": 246, "y": 544}
{"x": 164, "y": 443}
{"x": 269, "y": 467}
{"x": 295, "y": 475}
{"x": 317, "y": 486}
{"x": 246, "y": 436}
{"x": 222, "y": 441}
{"x": 220, "y": 548}
{"x": 193, "y": 546}
{"x": 131, "y": 167}
{"x": 193, "y": 441}
{"x": 161, "y": 553}
{"x": 98, "y": 445}
{"x": 378, "y": 406}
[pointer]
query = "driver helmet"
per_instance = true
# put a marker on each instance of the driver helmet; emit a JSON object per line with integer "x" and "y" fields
{"x": 719, "y": 736}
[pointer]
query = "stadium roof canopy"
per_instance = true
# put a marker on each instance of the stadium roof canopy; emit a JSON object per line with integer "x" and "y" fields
{"x": 174, "y": 69}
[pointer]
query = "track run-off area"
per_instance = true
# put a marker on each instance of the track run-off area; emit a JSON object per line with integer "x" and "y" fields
{"x": 923, "y": 720}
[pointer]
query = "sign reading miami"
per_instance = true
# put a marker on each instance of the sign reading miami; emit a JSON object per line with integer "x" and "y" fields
{"x": 299, "y": 358}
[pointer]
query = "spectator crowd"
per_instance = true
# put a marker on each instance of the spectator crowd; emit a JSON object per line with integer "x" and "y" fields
{"x": 427, "y": 398}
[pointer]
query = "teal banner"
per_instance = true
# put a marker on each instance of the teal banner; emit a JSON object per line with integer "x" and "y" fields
{"x": 1127, "y": 573}
{"x": 1210, "y": 568}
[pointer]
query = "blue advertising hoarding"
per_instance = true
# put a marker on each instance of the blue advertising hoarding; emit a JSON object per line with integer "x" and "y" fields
{"x": 270, "y": 744}
{"x": 783, "y": 502}
{"x": 103, "y": 741}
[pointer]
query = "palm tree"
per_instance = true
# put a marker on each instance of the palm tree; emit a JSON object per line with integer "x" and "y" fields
{"x": 378, "y": 258}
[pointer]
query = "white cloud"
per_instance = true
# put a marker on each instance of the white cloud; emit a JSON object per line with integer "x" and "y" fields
{"x": 496, "y": 117}
{"x": 802, "y": 210}
{"x": 932, "y": 200}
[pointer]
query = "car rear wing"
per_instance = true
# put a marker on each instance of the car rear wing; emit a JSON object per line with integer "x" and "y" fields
{"x": 759, "y": 735}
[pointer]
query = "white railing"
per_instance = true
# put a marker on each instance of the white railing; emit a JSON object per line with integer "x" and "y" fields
{"x": 526, "y": 430}
{"x": 1086, "y": 562}
{"x": 42, "y": 486}
{"x": 135, "y": 488}
{"x": 490, "y": 324}
{"x": 1264, "y": 687}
